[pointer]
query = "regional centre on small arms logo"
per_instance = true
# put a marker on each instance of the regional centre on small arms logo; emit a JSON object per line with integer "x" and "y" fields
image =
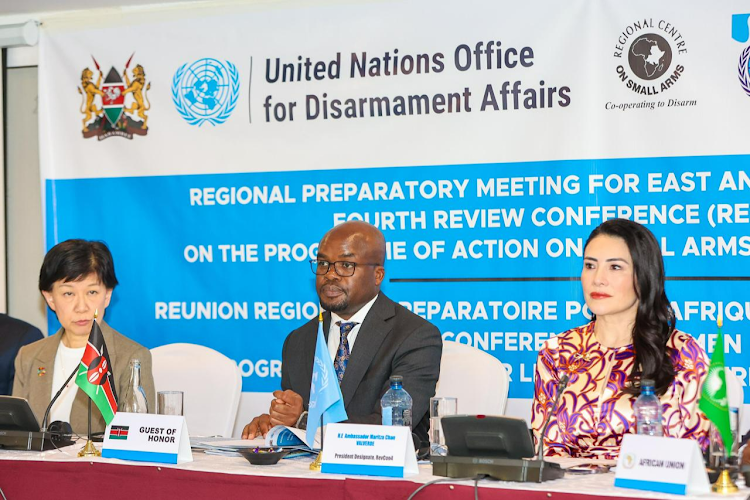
{"x": 645, "y": 52}
{"x": 206, "y": 91}
{"x": 114, "y": 107}
{"x": 741, "y": 33}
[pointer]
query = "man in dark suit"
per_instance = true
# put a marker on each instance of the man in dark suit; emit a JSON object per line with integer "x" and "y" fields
{"x": 14, "y": 334}
{"x": 385, "y": 338}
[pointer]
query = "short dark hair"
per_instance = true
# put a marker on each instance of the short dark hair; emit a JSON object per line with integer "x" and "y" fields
{"x": 73, "y": 260}
{"x": 655, "y": 320}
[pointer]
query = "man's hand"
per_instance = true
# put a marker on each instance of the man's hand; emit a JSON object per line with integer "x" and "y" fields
{"x": 286, "y": 408}
{"x": 258, "y": 427}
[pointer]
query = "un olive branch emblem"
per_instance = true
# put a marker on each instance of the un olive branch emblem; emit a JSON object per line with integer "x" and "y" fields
{"x": 206, "y": 91}
{"x": 744, "y": 70}
{"x": 324, "y": 380}
{"x": 323, "y": 373}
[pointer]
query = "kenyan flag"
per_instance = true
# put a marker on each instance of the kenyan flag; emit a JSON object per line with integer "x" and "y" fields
{"x": 95, "y": 374}
{"x": 119, "y": 432}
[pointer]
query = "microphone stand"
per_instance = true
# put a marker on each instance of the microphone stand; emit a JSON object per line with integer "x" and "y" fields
{"x": 54, "y": 398}
{"x": 561, "y": 385}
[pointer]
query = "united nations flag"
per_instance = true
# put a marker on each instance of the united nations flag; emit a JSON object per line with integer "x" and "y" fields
{"x": 326, "y": 402}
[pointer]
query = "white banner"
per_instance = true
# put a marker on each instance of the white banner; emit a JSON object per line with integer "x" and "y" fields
{"x": 212, "y": 149}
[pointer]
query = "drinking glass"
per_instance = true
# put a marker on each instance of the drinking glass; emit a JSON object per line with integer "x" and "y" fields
{"x": 439, "y": 408}
{"x": 718, "y": 457}
{"x": 169, "y": 402}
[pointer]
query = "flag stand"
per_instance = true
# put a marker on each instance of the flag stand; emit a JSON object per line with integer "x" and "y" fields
{"x": 724, "y": 484}
{"x": 89, "y": 450}
{"x": 318, "y": 463}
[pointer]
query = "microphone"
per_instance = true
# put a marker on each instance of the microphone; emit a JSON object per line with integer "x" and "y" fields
{"x": 561, "y": 385}
{"x": 54, "y": 398}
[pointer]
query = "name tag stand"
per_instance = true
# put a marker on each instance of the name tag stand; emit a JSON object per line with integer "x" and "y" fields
{"x": 667, "y": 465}
{"x": 148, "y": 438}
{"x": 371, "y": 450}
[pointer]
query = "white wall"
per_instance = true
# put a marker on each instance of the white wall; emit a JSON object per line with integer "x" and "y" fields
{"x": 3, "y": 258}
{"x": 25, "y": 229}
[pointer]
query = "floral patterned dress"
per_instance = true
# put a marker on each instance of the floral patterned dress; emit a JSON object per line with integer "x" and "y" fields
{"x": 593, "y": 413}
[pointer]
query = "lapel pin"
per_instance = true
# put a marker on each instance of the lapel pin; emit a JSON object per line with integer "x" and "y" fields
{"x": 41, "y": 371}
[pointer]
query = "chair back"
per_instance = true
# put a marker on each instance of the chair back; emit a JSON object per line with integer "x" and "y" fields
{"x": 212, "y": 384}
{"x": 479, "y": 380}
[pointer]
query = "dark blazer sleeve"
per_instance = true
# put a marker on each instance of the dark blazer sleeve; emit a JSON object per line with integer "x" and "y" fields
{"x": 32, "y": 334}
{"x": 24, "y": 334}
{"x": 417, "y": 360}
{"x": 286, "y": 382}
{"x": 21, "y": 370}
{"x": 297, "y": 357}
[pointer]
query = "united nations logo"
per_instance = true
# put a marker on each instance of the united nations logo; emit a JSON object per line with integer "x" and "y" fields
{"x": 741, "y": 33}
{"x": 206, "y": 91}
{"x": 114, "y": 107}
{"x": 651, "y": 49}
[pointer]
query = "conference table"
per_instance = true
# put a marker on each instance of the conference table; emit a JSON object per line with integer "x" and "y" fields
{"x": 60, "y": 474}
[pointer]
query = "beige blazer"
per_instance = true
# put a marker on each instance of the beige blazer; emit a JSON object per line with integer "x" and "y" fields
{"x": 35, "y": 365}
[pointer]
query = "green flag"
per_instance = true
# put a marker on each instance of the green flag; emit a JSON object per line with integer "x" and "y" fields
{"x": 95, "y": 374}
{"x": 713, "y": 402}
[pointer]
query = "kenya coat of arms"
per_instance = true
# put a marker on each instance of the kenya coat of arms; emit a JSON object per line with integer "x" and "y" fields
{"x": 117, "y": 105}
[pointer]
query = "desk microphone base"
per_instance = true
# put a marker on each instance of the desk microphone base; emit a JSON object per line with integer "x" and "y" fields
{"x": 503, "y": 469}
{"x": 32, "y": 441}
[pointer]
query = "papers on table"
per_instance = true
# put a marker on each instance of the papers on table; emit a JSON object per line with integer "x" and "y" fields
{"x": 278, "y": 437}
{"x": 291, "y": 437}
{"x": 224, "y": 447}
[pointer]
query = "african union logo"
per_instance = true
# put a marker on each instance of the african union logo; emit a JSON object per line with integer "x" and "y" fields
{"x": 648, "y": 54}
{"x": 741, "y": 33}
{"x": 206, "y": 91}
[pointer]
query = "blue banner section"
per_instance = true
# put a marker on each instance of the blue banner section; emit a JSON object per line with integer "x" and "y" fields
{"x": 140, "y": 456}
{"x": 363, "y": 470}
{"x": 490, "y": 253}
{"x": 634, "y": 484}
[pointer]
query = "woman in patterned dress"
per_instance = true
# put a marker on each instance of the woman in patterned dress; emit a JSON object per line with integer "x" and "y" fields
{"x": 631, "y": 336}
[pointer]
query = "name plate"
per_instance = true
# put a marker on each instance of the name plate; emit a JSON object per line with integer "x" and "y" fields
{"x": 667, "y": 465}
{"x": 370, "y": 450}
{"x": 145, "y": 437}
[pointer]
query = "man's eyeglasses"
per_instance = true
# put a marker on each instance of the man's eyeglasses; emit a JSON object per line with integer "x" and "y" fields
{"x": 343, "y": 268}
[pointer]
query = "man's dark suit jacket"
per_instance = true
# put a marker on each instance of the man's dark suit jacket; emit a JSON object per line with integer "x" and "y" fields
{"x": 14, "y": 334}
{"x": 391, "y": 341}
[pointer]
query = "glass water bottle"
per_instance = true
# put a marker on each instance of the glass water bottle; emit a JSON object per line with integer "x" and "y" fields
{"x": 134, "y": 400}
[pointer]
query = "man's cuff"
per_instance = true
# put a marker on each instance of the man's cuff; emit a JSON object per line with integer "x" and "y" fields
{"x": 302, "y": 421}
